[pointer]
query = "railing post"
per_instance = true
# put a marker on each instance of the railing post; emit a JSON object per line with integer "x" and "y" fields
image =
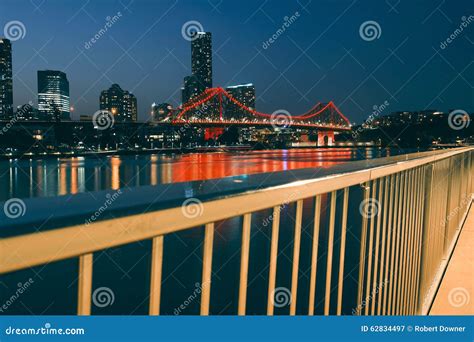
{"x": 382, "y": 189}
{"x": 244, "y": 264}
{"x": 368, "y": 295}
{"x": 363, "y": 238}
{"x": 156, "y": 274}
{"x": 296, "y": 256}
{"x": 273, "y": 260}
{"x": 332, "y": 218}
{"x": 207, "y": 269}
{"x": 340, "y": 282}
{"x": 425, "y": 236}
{"x": 314, "y": 254}
{"x": 85, "y": 285}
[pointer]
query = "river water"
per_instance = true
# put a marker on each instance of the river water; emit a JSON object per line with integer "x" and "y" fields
{"x": 124, "y": 270}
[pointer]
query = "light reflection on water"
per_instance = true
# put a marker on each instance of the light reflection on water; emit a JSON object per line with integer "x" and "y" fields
{"x": 51, "y": 177}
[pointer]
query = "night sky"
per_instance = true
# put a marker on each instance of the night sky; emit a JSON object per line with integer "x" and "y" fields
{"x": 319, "y": 57}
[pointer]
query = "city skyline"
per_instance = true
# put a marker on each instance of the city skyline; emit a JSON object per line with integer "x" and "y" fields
{"x": 272, "y": 92}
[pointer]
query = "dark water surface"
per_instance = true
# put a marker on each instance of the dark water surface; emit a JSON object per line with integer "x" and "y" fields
{"x": 125, "y": 270}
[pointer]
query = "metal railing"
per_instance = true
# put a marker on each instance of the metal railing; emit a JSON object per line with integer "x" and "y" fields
{"x": 416, "y": 208}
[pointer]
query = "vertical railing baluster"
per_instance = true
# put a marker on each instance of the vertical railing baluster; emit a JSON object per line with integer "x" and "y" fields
{"x": 416, "y": 270}
{"x": 273, "y": 260}
{"x": 423, "y": 286}
{"x": 368, "y": 295}
{"x": 390, "y": 233}
{"x": 85, "y": 285}
{"x": 332, "y": 218}
{"x": 382, "y": 285}
{"x": 314, "y": 254}
{"x": 363, "y": 238}
{"x": 377, "y": 245}
{"x": 342, "y": 251}
{"x": 409, "y": 249}
{"x": 244, "y": 263}
{"x": 404, "y": 246}
{"x": 156, "y": 274}
{"x": 207, "y": 269}
{"x": 402, "y": 250}
{"x": 296, "y": 256}
{"x": 397, "y": 243}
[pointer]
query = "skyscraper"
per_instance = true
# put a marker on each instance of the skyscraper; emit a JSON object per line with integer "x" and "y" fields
{"x": 121, "y": 103}
{"x": 53, "y": 95}
{"x": 192, "y": 88}
{"x": 6, "y": 84}
{"x": 201, "y": 58}
{"x": 245, "y": 94}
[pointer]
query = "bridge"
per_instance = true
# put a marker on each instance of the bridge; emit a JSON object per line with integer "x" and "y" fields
{"x": 381, "y": 233}
{"x": 217, "y": 108}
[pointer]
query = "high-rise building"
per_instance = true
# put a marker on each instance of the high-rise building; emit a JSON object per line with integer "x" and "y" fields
{"x": 121, "y": 103}
{"x": 6, "y": 83}
{"x": 201, "y": 58}
{"x": 245, "y": 94}
{"x": 53, "y": 95}
{"x": 192, "y": 88}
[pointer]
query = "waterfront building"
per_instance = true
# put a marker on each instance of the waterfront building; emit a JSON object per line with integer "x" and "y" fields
{"x": 245, "y": 94}
{"x": 201, "y": 58}
{"x": 53, "y": 95}
{"x": 6, "y": 83}
{"x": 192, "y": 88}
{"x": 121, "y": 103}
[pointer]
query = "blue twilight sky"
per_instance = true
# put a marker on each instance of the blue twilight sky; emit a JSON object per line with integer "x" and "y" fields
{"x": 320, "y": 56}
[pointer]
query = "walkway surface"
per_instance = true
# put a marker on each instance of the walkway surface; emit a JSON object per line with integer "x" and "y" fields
{"x": 456, "y": 293}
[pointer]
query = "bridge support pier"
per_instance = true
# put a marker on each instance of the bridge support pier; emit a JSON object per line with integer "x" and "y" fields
{"x": 326, "y": 138}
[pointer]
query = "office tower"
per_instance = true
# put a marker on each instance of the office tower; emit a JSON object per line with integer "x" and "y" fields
{"x": 6, "y": 84}
{"x": 245, "y": 94}
{"x": 201, "y": 58}
{"x": 121, "y": 103}
{"x": 130, "y": 106}
{"x": 192, "y": 88}
{"x": 53, "y": 95}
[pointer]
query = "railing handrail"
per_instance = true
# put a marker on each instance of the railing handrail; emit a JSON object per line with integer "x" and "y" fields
{"x": 46, "y": 213}
{"x": 24, "y": 251}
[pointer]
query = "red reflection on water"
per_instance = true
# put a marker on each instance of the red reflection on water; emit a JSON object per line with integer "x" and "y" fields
{"x": 201, "y": 166}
